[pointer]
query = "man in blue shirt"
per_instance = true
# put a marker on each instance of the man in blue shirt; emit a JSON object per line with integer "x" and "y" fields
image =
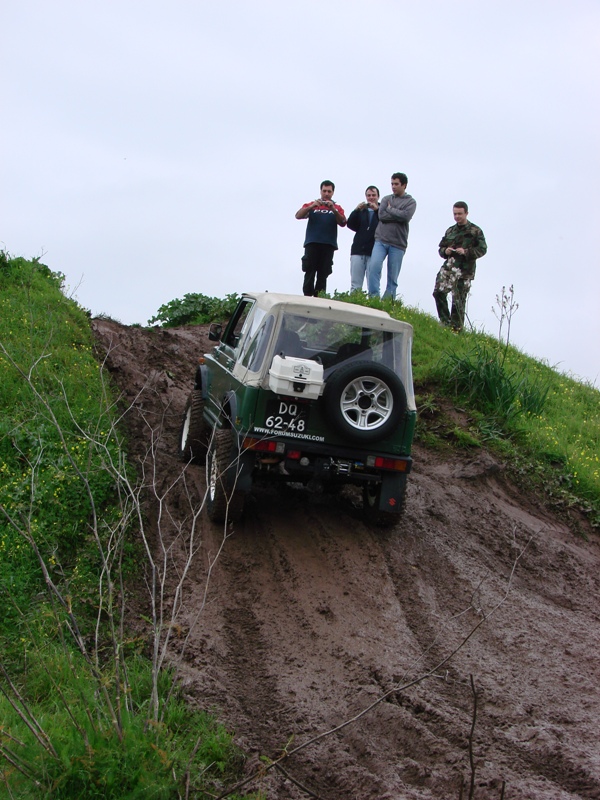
{"x": 320, "y": 241}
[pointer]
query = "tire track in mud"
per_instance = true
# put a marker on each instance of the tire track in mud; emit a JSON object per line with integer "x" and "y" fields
{"x": 290, "y": 572}
{"x": 322, "y": 572}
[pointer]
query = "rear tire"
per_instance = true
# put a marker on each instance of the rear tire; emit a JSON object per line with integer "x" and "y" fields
{"x": 195, "y": 431}
{"x": 224, "y": 502}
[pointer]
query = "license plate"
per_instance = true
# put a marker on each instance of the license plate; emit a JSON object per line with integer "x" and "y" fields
{"x": 287, "y": 416}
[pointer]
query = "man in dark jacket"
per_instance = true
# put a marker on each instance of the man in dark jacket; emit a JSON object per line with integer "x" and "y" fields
{"x": 324, "y": 216}
{"x": 363, "y": 220}
{"x": 461, "y": 245}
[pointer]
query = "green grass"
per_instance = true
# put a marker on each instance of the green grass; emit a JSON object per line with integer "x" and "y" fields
{"x": 83, "y": 713}
{"x": 90, "y": 757}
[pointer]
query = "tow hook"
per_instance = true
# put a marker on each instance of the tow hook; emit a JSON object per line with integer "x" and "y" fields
{"x": 341, "y": 467}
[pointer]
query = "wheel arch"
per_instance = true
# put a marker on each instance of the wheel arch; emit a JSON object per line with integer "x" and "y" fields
{"x": 201, "y": 380}
{"x": 229, "y": 409}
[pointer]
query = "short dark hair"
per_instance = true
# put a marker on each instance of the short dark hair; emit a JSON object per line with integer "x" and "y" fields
{"x": 461, "y": 204}
{"x": 327, "y": 183}
{"x": 372, "y": 187}
{"x": 401, "y": 177}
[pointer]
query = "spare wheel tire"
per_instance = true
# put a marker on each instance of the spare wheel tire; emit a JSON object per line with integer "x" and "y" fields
{"x": 364, "y": 401}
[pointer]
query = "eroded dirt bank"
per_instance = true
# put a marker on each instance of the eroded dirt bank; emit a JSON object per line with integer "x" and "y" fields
{"x": 302, "y": 617}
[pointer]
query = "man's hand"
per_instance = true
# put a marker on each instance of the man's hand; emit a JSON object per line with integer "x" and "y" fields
{"x": 459, "y": 250}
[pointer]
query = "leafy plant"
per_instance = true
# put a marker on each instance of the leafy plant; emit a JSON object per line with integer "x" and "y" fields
{"x": 194, "y": 309}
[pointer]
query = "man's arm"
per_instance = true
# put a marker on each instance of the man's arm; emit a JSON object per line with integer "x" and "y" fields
{"x": 446, "y": 245}
{"x": 403, "y": 214}
{"x": 384, "y": 215}
{"x": 338, "y": 212}
{"x": 479, "y": 247}
{"x": 303, "y": 212}
{"x": 353, "y": 221}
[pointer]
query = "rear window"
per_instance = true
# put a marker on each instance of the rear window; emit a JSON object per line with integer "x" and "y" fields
{"x": 334, "y": 342}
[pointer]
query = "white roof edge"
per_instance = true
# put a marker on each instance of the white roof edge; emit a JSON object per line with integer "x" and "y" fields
{"x": 300, "y": 302}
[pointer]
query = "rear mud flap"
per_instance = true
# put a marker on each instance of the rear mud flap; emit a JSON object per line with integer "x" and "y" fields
{"x": 391, "y": 498}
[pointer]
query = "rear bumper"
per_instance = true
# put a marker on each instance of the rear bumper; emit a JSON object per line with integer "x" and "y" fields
{"x": 306, "y": 460}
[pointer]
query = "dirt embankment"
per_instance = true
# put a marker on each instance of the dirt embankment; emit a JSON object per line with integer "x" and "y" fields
{"x": 302, "y": 617}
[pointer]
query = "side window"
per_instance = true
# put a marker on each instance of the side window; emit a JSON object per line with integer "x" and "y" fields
{"x": 257, "y": 345}
{"x": 250, "y": 326}
{"x": 236, "y": 324}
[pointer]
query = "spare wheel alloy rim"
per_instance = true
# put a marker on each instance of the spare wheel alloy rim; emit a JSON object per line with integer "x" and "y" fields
{"x": 366, "y": 403}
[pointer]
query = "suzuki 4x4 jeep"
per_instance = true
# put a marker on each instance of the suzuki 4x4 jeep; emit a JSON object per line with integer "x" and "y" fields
{"x": 302, "y": 389}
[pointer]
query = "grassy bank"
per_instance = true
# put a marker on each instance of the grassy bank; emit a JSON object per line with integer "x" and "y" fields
{"x": 84, "y": 712}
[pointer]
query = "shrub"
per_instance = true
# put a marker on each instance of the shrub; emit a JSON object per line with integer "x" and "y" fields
{"x": 195, "y": 309}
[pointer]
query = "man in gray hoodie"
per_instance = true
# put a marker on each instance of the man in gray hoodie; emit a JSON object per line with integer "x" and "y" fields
{"x": 391, "y": 237}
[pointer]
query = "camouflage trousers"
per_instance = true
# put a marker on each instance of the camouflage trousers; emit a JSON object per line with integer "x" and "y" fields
{"x": 452, "y": 278}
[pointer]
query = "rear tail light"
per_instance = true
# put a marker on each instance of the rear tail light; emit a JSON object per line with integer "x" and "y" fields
{"x": 263, "y": 445}
{"x": 379, "y": 462}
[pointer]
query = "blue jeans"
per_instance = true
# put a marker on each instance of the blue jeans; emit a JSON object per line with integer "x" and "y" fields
{"x": 359, "y": 267}
{"x": 394, "y": 262}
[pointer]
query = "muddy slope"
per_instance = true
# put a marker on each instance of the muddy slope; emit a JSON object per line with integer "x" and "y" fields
{"x": 302, "y": 617}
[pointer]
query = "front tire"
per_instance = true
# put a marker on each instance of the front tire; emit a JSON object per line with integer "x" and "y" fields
{"x": 224, "y": 501}
{"x": 194, "y": 432}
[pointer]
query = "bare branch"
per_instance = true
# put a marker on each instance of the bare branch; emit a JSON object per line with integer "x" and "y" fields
{"x": 471, "y": 736}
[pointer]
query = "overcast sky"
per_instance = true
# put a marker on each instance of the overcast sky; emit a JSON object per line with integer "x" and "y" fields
{"x": 152, "y": 149}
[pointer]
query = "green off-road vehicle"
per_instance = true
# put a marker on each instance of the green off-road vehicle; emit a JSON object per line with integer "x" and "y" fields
{"x": 303, "y": 390}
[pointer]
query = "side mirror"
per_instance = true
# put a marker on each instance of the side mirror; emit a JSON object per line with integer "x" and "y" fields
{"x": 215, "y": 331}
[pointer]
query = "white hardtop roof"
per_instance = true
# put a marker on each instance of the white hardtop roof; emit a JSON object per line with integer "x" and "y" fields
{"x": 331, "y": 309}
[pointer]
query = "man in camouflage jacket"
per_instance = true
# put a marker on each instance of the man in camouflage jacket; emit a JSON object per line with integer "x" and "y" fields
{"x": 461, "y": 245}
